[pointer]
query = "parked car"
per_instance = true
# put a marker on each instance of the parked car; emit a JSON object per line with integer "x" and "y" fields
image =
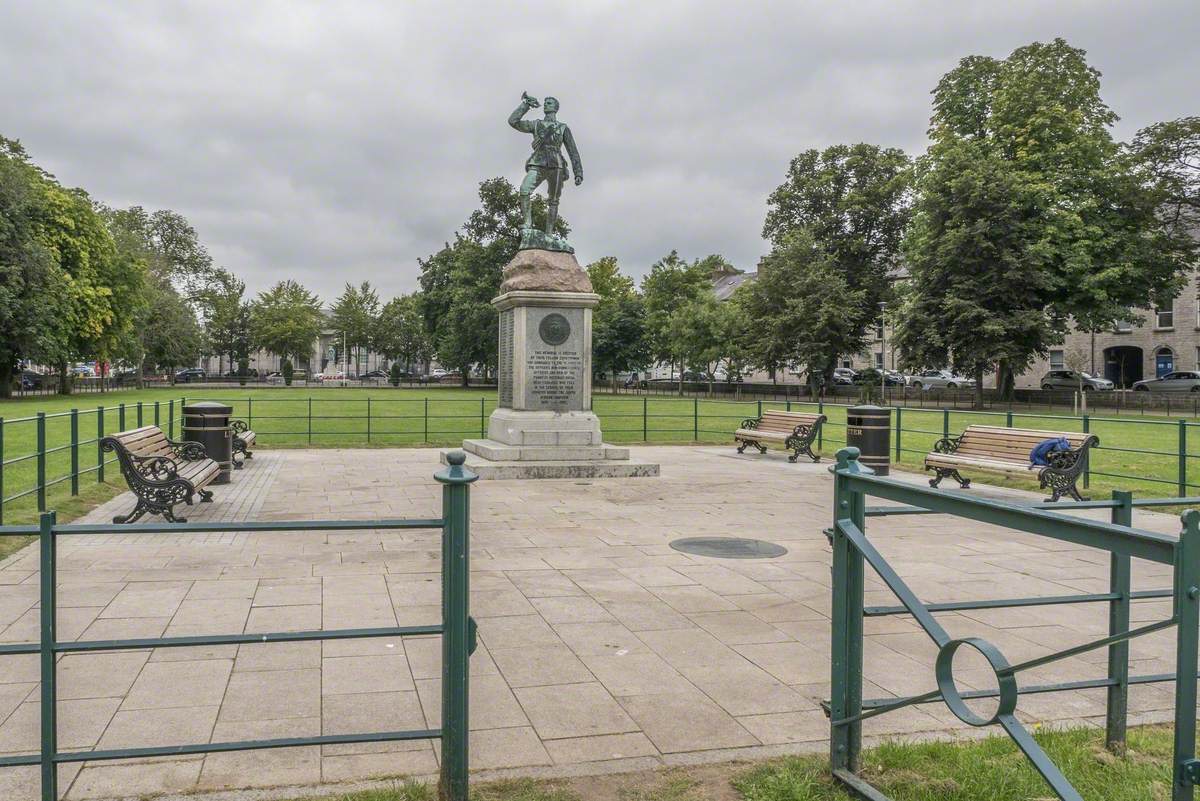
{"x": 189, "y": 375}
{"x": 84, "y": 370}
{"x": 844, "y": 375}
{"x": 1072, "y": 380}
{"x": 374, "y": 375}
{"x": 940, "y": 379}
{"x": 30, "y": 379}
{"x": 871, "y": 376}
{"x": 1180, "y": 381}
{"x": 449, "y": 377}
{"x": 438, "y": 373}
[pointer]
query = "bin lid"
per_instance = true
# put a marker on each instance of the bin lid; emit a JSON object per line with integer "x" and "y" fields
{"x": 869, "y": 409}
{"x": 208, "y": 408}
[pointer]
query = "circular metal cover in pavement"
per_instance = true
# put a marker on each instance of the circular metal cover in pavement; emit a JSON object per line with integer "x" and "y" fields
{"x": 729, "y": 547}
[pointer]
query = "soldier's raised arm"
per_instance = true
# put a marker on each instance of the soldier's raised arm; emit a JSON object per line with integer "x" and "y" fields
{"x": 514, "y": 119}
{"x": 573, "y": 153}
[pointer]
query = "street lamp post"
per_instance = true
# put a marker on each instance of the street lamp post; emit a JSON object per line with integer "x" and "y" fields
{"x": 882, "y": 353}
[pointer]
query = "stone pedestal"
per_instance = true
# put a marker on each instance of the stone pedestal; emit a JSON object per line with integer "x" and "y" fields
{"x": 544, "y": 426}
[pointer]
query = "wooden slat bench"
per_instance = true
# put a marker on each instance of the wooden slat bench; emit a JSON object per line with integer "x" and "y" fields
{"x": 1006, "y": 450}
{"x": 243, "y": 438}
{"x": 796, "y": 430}
{"x": 160, "y": 472}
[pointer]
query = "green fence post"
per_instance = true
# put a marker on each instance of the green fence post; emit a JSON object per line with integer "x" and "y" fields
{"x": 482, "y": 420}
{"x": 1008, "y": 419}
{"x": 157, "y": 415}
{"x": 139, "y": 414}
{"x": 1, "y": 471}
{"x": 1187, "y": 630}
{"x": 1182, "y": 458}
{"x": 945, "y": 424}
{"x": 456, "y": 625}
{"x": 99, "y": 449}
{"x": 1117, "y": 705}
{"x": 760, "y": 409}
{"x": 171, "y": 419}
{"x": 368, "y": 420}
{"x": 696, "y": 419}
{"x": 74, "y": 451}
{"x": 250, "y": 413}
{"x": 41, "y": 461}
{"x": 120, "y": 417}
{"x": 846, "y": 661}
{"x": 1087, "y": 459}
{"x": 899, "y": 430}
{"x": 310, "y": 420}
{"x": 46, "y": 650}
{"x": 426, "y": 437}
{"x": 820, "y": 431}
{"x": 645, "y": 418}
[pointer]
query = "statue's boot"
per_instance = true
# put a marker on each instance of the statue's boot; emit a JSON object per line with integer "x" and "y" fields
{"x": 527, "y": 209}
{"x": 551, "y": 218}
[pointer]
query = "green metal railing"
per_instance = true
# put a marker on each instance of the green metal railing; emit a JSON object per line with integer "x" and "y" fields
{"x": 852, "y": 550}
{"x": 457, "y": 630}
{"x": 52, "y": 452}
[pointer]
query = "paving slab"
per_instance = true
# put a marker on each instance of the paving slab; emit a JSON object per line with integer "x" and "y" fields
{"x": 599, "y": 644}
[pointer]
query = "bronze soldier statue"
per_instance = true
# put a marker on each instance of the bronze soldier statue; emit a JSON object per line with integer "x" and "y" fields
{"x": 545, "y": 163}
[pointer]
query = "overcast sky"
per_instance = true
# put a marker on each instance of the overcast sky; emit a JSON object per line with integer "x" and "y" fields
{"x": 333, "y": 142}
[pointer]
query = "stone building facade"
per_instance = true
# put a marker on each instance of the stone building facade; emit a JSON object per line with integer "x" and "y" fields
{"x": 1160, "y": 341}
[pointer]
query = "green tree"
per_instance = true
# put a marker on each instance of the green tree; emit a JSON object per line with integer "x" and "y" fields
{"x": 399, "y": 332}
{"x": 171, "y": 337}
{"x": 104, "y": 291}
{"x": 699, "y": 333}
{"x": 170, "y": 246}
{"x": 34, "y": 314}
{"x": 804, "y": 309}
{"x": 1165, "y": 157}
{"x": 671, "y": 283}
{"x": 227, "y": 317}
{"x": 354, "y": 316}
{"x": 286, "y": 320}
{"x": 618, "y": 321}
{"x": 975, "y": 298}
{"x": 1025, "y": 185}
{"x": 854, "y": 202}
{"x": 607, "y": 280}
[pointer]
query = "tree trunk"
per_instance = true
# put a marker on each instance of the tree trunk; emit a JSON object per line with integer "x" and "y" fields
{"x": 466, "y": 376}
{"x": 1004, "y": 380}
{"x": 64, "y": 379}
{"x": 979, "y": 386}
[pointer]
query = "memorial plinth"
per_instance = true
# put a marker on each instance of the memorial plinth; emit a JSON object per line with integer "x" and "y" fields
{"x": 543, "y": 426}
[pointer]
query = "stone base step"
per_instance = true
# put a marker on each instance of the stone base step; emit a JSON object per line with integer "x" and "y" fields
{"x": 502, "y": 452}
{"x": 607, "y": 468}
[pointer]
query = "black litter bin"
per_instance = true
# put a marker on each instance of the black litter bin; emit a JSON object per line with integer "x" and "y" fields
{"x": 869, "y": 428}
{"x": 207, "y": 422}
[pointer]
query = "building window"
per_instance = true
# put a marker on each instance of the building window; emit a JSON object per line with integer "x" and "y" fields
{"x": 1057, "y": 362}
{"x": 846, "y": 362}
{"x": 879, "y": 330}
{"x": 1124, "y": 326}
{"x": 1164, "y": 317}
{"x": 879, "y": 359}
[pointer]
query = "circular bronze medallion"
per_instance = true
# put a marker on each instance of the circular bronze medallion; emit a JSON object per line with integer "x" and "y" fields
{"x": 554, "y": 329}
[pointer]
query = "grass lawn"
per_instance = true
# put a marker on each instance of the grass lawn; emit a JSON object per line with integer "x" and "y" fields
{"x": 1141, "y": 453}
{"x": 984, "y": 770}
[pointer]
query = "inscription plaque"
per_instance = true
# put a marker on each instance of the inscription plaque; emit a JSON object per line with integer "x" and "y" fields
{"x": 505, "y": 372}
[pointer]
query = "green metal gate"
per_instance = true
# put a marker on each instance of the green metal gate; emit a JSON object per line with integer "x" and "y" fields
{"x": 456, "y": 628}
{"x": 852, "y": 550}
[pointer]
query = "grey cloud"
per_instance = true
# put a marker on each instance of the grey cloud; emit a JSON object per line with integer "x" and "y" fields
{"x": 341, "y": 142}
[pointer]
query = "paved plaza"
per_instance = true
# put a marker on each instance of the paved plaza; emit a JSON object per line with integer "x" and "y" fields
{"x": 601, "y": 647}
